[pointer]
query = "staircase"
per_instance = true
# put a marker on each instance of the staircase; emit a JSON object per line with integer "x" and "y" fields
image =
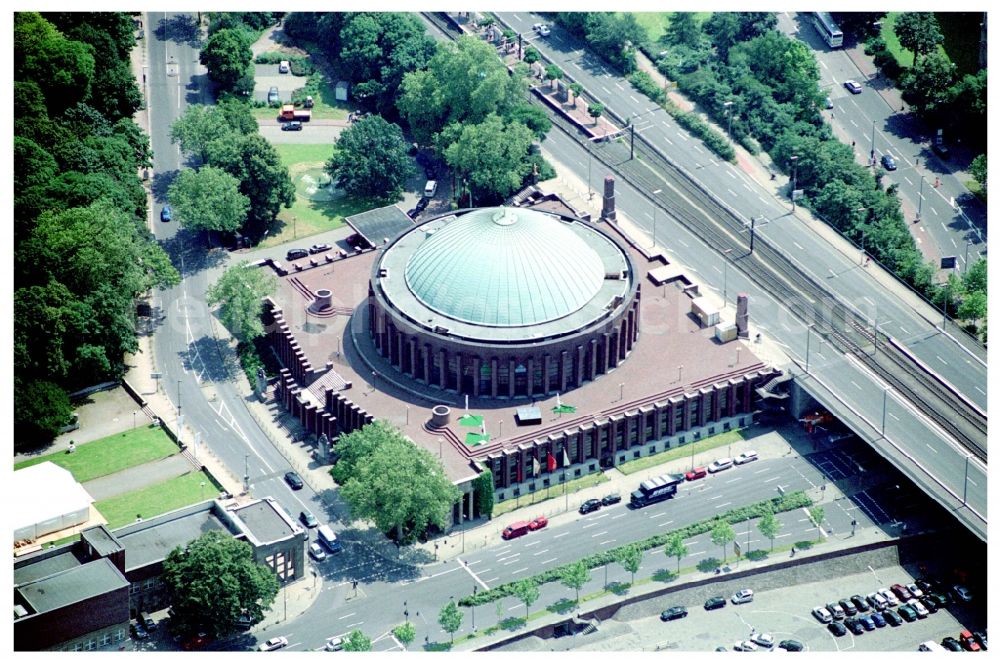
{"x": 768, "y": 390}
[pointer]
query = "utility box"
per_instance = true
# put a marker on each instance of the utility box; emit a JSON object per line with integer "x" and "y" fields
{"x": 340, "y": 91}
{"x": 707, "y": 314}
{"x": 725, "y": 332}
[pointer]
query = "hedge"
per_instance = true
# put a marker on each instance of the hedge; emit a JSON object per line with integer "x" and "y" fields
{"x": 713, "y": 140}
{"x": 788, "y": 502}
{"x": 645, "y": 84}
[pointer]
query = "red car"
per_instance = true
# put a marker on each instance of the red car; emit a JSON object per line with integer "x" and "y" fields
{"x": 696, "y": 473}
{"x": 538, "y": 523}
{"x": 968, "y": 642}
{"x": 901, "y": 592}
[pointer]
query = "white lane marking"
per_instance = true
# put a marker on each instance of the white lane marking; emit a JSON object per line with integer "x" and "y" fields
{"x": 606, "y": 90}
{"x": 356, "y": 624}
{"x": 941, "y": 359}
{"x": 904, "y": 330}
{"x": 747, "y": 187}
{"x": 773, "y": 478}
{"x": 683, "y": 243}
{"x": 344, "y": 617}
{"x": 668, "y": 141}
{"x": 604, "y": 543}
{"x": 485, "y": 571}
{"x": 542, "y": 552}
{"x": 561, "y": 534}
{"x": 931, "y": 447}
{"x": 730, "y": 174}
{"x": 731, "y": 192}
{"x": 855, "y": 385}
{"x": 719, "y": 506}
{"x": 476, "y": 562}
{"x": 665, "y": 524}
{"x": 665, "y": 123}
{"x": 635, "y": 100}
{"x": 620, "y": 86}
{"x": 473, "y": 574}
{"x": 869, "y": 300}
{"x": 551, "y": 560}
{"x": 657, "y": 515}
{"x": 598, "y": 534}
{"x": 490, "y": 580}
{"x": 980, "y": 390}
{"x": 519, "y": 570}
{"x": 699, "y": 149}
{"x": 893, "y": 415}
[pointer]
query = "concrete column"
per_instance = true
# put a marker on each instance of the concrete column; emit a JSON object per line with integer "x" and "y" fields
{"x": 564, "y": 370}
{"x": 531, "y": 376}
{"x": 510, "y": 378}
{"x": 459, "y": 357}
{"x": 427, "y": 364}
{"x": 494, "y": 377}
{"x": 686, "y": 406}
{"x": 546, "y": 365}
{"x": 477, "y": 364}
{"x": 442, "y": 361}
{"x": 400, "y": 346}
{"x": 472, "y": 502}
{"x": 640, "y": 430}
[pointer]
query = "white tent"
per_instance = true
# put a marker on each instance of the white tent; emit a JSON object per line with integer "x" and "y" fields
{"x": 47, "y": 499}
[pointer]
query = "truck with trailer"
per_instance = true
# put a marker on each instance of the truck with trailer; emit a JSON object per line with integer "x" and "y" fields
{"x": 655, "y": 490}
{"x": 289, "y": 112}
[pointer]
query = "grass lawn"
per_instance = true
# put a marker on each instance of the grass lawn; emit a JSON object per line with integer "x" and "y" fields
{"x": 715, "y": 441}
{"x": 306, "y": 216}
{"x": 111, "y": 454}
{"x": 554, "y": 490}
{"x": 656, "y": 23}
{"x": 961, "y": 39}
{"x": 155, "y": 500}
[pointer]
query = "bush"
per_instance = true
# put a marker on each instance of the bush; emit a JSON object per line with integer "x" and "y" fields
{"x": 645, "y": 84}
{"x": 715, "y": 142}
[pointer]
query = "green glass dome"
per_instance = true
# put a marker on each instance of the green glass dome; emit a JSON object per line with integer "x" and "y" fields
{"x": 505, "y": 267}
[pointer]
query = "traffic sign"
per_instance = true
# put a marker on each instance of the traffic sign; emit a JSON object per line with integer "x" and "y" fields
{"x": 156, "y": 375}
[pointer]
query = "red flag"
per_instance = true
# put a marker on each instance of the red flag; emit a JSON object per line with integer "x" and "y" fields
{"x": 552, "y": 462}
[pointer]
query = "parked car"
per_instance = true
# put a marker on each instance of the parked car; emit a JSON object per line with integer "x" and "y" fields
{"x": 853, "y": 86}
{"x": 907, "y": 613}
{"x": 714, "y": 603}
{"x": 297, "y": 253}
{"x": 413, "y": 213}
{"x": 719, "y": 465}
{"x": 196, "y": 642}
{"x": 319, "y": 247}
{"x": 878, "y": 619}
{"x": 283, "y": 67}
{"x": 901, "y": 592}
{"x": 837, "y": 629}
{"x": 854, "y": 626}
{"x": 273, "y": 644}
{"x": 613, "y": 498}
{"x": 877, "y": 601}
{"x": 860, "y": 603}
{"x": 951, "y": 644}
{"x": 334, "y": 645}
{"x": 915, "y": 590}
{"x": 745, "y": 646}
{"x": 745, "y": 457}
{"x": 308, "y": 519}
{"x": 139, "y": 631}
{"x": 867, "y": 622}
{"x": 542, "y": 29}
{"x": 980, "y": 637}
{"x": 515, "y": 530}
{"x": 763, "y": 640}
{"x": 849, "y": 609}
{"x": 272, "y": 95}
{"x": 931, "y": 646}
{"x": 317, "y": 552}
{"x": 696, "y": 473}
{"x": 962, "y": 592}
{"x": 791, "y": 645}
{"x": 822, "y": 614}
{"x": 922, "y": 611}
{"x": 828, "y": 103}
{"x": 742, "y": 597}
{"x": 590, "y": 505}
{"x": 836, "y": 611}
{"x": 930, "y": 604}
{"x": 890, "y": 598}
{"x": 430, "y": 188}
{"x": 968, "y": 642}
{"x": 148, "y": 623}
{"x": 892, "y": 617}
{"x": 294, "y": 480}
{"x": 673, "y": 613}
{"x": 923, "y": 584}
{"x": 292, "y": 126}
{"x": 538, "y": 523}
{"x": 889, "y": 162}
{"x": 941, "y": 150}
{"x": 941, "y": 600}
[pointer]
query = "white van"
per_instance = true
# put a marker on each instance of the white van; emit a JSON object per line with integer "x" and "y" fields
{"x": 431, "y": 188}
{"x": 283, "y": 67}
{"x": 329, "y": 539}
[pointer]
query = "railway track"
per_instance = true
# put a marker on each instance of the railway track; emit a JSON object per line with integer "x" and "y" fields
{"x": 722, "y": 228}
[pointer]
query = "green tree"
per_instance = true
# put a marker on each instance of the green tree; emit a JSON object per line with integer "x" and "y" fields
{"x": 208, "y": 199}
{"x": 500, "y": 610}
{"x": 492, "y": 156}
{"x": 930, "y": 83}
{"x": 675, "y": 548}
{"x": 239, "y": 292}
{"x": 228, "y": 58}
{"x": 532, "y": 117}
{"x": 977, "y": 169}
{"x": 359, "y": 445}
{"x": 973, "y": 306}
{"x": 400, "y": 487}
{"x": 531, "y": 55}
{"x": 683, "y": 29}
{"x": 405, "y": 633}
{"x": 769, "y": 526}
{"x": 974, "y": 278}
{"x": 722, "y": 533}
{"x": 263, "y": 178}
{"x": 450, "y": 619}
{"x": 371, "y": 161}
{"x": 577, "y": 90}
{"x": 817, "y": 513}
{"x": 41, "y": 408}
{"x": 483, "y": 485}
{"x": 918, "y": 32}
{"x": 357, "y": 642}
{"x": 212, "y": 581}
{"x": 552, "y": 73}
{"x": 197, "y": 127}
{"x": 62, "y": 68}
{"x": 527, "y": 592}
{"x": 574, "y": 576}
{"x": 595, "y": 111}
{"x": 630, "y": 557}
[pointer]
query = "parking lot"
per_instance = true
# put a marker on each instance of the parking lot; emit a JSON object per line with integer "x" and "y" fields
{"x": 784, "y": 614}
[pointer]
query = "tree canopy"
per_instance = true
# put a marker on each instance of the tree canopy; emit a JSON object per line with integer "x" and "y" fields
{"x": 239, "y": 292}
{"x": 492, "y": 156}
{"x": 575, "y": 576}
{"x": 450, "y": 618}
{"x": 371, "y": 160}
{"x": 209, "y": 199}
{"x": 918, "y": 32}
{"x": 212, "y": 581}
{"x": 357, "y": 642}
{"x": 228, "y": 58}
{"x": 400, "y": 487}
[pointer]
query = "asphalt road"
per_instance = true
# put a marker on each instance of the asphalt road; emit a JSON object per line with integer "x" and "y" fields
{"x": 954, "y": 219}
{"x": 841, "y": 274}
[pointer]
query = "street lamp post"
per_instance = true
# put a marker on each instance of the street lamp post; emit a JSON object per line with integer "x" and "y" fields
{"x": 873, "y": 143}
{"x": 885, "y": 398}
{"x": 655, "y": 192}
{"x": 795, "y": 172}
{"x": 729, "y": 113}
{"x": 133, "y": 411}
{"x": 475, "y": 590}
{"x": 725, "y": 274}
{"x": 920, "y": 198}
{"x": 967, "y": 244}
{"x": 808, "y": 338}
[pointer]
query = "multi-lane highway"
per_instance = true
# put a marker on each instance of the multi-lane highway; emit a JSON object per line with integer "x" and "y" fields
{"x": 954, "y": 220}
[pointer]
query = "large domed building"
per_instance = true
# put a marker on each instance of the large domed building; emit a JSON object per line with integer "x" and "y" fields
{"x": 504, "y": 302}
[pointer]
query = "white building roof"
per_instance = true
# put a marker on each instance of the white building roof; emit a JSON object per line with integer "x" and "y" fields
{"x": 43, "y": 492}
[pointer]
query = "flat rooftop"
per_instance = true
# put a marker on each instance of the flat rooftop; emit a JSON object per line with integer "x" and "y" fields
{"x": 264, "y": 523}
{"x": 673, "y": 355}
{"x": 72, "y": 585}
{"x": 151, "y": 541}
